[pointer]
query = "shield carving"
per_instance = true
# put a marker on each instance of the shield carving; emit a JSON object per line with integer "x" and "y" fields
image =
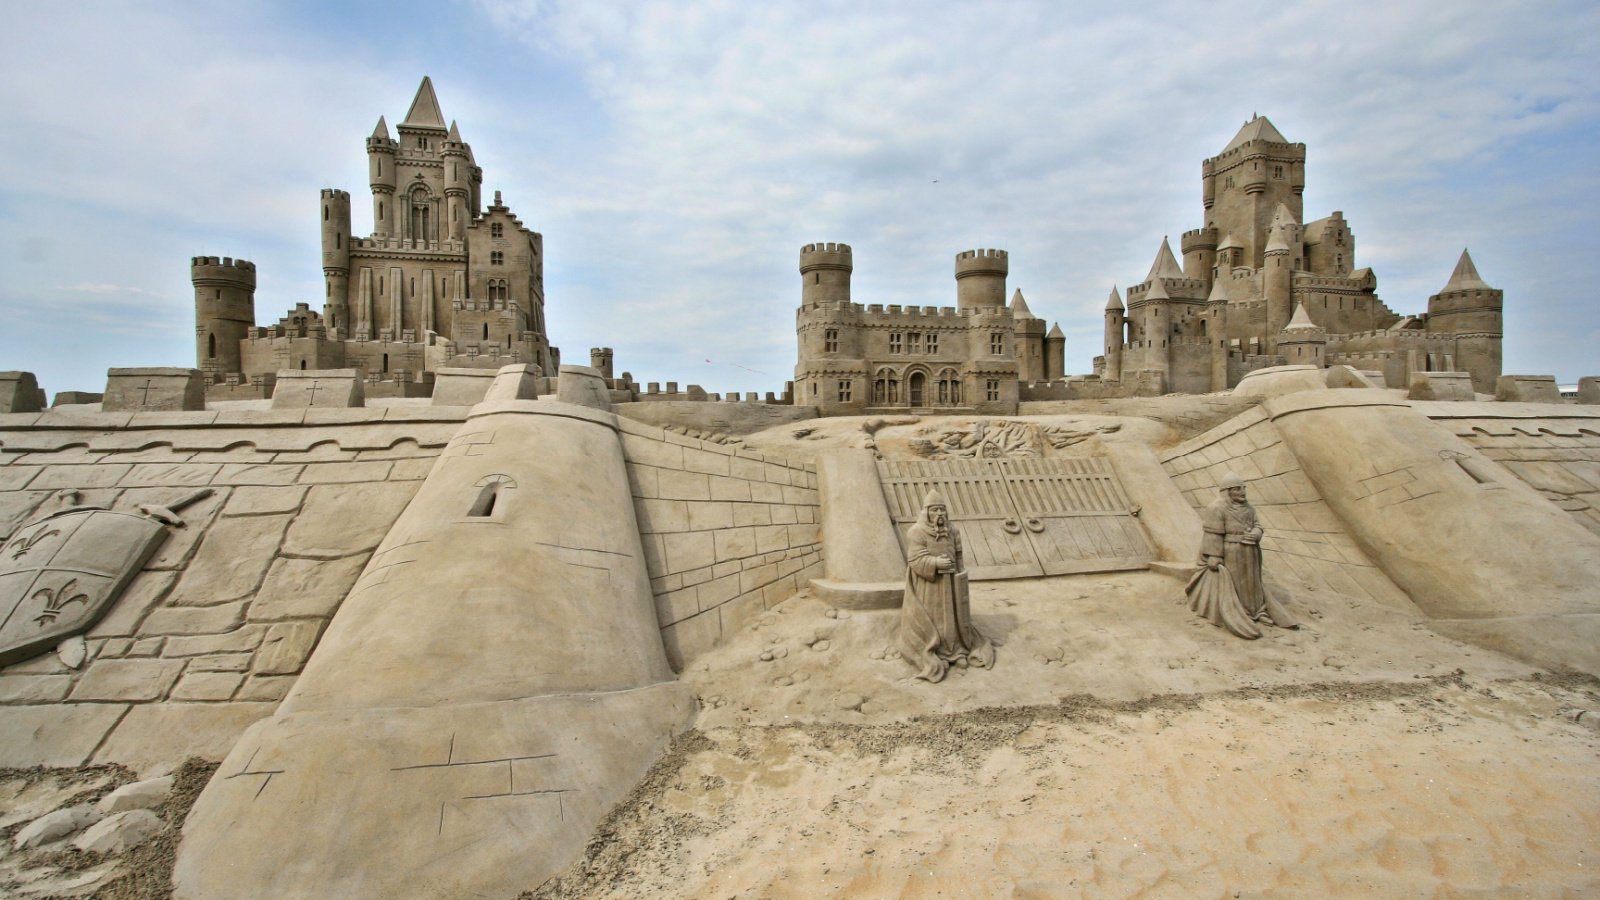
{"x": 59, "y": 575}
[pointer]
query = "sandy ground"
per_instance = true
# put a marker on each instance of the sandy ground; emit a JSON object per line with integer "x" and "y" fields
{"x": 58, "y": 870}
{"x": 1119, "y": 748}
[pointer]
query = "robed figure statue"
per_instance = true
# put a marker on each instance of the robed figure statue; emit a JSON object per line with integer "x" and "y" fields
{"x": 1227, "y": 588}
{"x": 936, "y": 630}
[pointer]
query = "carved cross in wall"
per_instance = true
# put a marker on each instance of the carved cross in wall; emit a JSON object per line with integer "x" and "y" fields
{"x": 144, "y": 393}
{"x": 312, "y": 400}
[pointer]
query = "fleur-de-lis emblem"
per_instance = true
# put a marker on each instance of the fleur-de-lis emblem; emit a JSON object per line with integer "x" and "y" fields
{"x": 56, "y": 600}
{"x": 26, "y": 544}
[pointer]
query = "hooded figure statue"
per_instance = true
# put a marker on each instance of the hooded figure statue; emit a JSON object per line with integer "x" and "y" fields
{"x": 1227, "y": 588}
{"x": 936, "y": 630}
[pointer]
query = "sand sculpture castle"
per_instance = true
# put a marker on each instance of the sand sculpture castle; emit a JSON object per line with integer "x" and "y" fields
{"x": 441, "y": 282}
{"x": 1258, "y": 288}
{"x": 435, "y": 602}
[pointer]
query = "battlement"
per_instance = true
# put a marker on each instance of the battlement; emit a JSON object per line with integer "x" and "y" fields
{"x": 226, "y": 262}
{"x": 335, "y": 194}
{"x": 829, "y": 247}
{"x": 241, "y": 272}
{"x": 982, "y": 262}
{"x": 829, "y": 256}
{"x": 1199, "y": 239}
{"x": 1250, "y": 149}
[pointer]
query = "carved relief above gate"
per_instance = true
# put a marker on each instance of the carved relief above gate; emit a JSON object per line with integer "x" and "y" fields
{"x": 1025, "y": 517}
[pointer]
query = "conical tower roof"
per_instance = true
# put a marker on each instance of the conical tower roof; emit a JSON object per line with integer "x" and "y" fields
{"x": 1465, "y": 277}
{"x": 382, "y": 131}
{"x": 1166, "y": 265}
{"x": 424, "y": 112}
{"x": 1055, "y": 331}
{"x": 1114, "y": 301}
{"x": 1257, "y": 129}
{"x": 455, "y": 133}
{"x": 1300, "y": 321}
{"x": 1019, "y": 307}
{"x": 1217, "y": 295}
{"x": 1230, "y": 243}
{"x": 1158, "y": 291}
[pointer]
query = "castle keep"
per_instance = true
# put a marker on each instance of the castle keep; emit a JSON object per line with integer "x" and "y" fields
{"x": 966, "y": 358}
{"x": 1257, "y": 266}
{"x": 441, "y": 281}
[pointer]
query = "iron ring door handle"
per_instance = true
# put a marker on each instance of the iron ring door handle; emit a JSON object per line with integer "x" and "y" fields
{"x": 1035, "y": 526}
{"x": 1011, "y": 526}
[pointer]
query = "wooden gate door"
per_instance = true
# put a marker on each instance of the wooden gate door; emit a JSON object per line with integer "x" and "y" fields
{"x": 992, "y": 535}
{"x": 1076, "y": 515}
{"x": 1024, "y": 517}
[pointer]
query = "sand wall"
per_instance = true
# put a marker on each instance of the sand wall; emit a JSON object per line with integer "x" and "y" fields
{"x": 727, "y": 533}
{"x": 215, "y": 628}
{"x": 1304, "y": 538}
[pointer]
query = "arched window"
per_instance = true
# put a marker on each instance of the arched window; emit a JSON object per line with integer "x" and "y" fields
{"x": 211, "y": 347}
{"x": 886, "y": 388}
{"x": 386, "y": 362}
{"x": 486, "y": 331}
{"x": 949, "y": 388}
{"x": 421, "y": 208}
{"x": 917, "y": 385}
{"x": 302, "y": 365}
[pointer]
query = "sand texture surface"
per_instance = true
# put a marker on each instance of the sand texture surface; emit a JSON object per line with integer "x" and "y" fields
{"x": 1119, "y": 748}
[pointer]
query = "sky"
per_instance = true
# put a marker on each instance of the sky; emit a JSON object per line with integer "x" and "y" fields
{"x": 676, "y": 156}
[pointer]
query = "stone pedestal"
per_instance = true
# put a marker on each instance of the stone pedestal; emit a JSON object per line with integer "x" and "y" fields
{"x": 154, "y": 390}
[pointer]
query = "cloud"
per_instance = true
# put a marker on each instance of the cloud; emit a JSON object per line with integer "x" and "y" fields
{"x": 676, "y": 155}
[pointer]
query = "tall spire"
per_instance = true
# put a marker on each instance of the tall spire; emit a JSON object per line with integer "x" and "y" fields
{"x": 382, "y": 131}
{"x": 1465, "y": 277}
{"x": 1166, "y": 265}
{"x": 424, "y": 110}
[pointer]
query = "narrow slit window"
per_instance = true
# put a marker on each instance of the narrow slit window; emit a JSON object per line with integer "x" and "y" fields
{"x": 483, "y": 507}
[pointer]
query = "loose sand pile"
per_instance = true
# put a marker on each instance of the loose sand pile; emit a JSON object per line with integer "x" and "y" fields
{"x": 1119, "y": 748}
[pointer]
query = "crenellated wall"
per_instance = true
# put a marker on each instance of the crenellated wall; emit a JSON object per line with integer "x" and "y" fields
{"x": 727, "y": 533}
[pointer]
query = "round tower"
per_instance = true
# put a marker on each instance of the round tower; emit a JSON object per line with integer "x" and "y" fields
{"x": 600, "y": 360}
{"x": 457, "y": 160}
{"x": 981, "y": 279}
{"x": 1200, "y": 254}
{"x": 381, "y": 173}
{"x": 825, "y": 274}
{"x": 224, "y": 312}
{"x": 336, "y": 259}
{"x": 1277, "y": 276}
{"x": 1115, "y": 336}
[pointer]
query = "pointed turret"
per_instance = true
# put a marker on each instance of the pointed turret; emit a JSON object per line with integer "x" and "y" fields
{"x": 1166, "y": 265}
{"x": 1217, "y": 295}
{"x": 1302, "y": 342}
{"x": 1472, "y": 309}
{"x": 1157, "y": 291}
{"x": 455, "y": 133}
{"x": 424, "y": 112}
{"x": 382, "y": 131}
{"x": 1114, "y": 302}
{"x": 1465, "y": 277}
{"x": 1055, "y": 354}
{"x": 1019, "y": 306}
